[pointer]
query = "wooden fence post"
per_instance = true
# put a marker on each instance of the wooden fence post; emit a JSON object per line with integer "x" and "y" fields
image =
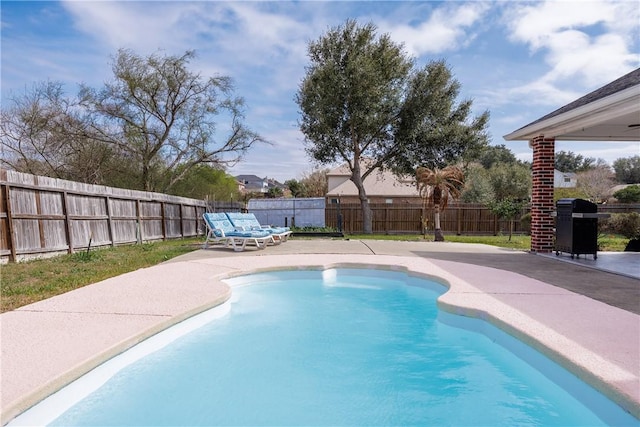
{"x": 387, "y": 222}
{"x": 163, "y": 219}
{"x": 11, "y": 240}
{"x": 181, "y": 220}
{"x": 138, "y": 222}
{"x": 67, "y": 222}
{"x": 36, "y": 194}
{"x": 110, "y": 221}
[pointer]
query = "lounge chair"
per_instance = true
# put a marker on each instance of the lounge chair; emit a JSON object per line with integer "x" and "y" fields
{"x": 248, "y": 221}
{"x": 220, "y": 230}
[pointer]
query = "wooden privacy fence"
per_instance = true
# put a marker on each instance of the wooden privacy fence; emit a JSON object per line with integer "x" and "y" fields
{"x": 40, "y": 215}
{"x": 463, "y": 218}
{"x": 458, "y": 218}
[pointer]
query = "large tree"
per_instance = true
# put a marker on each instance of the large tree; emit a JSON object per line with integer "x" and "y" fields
{"x": 166, "y": 117}
{"x": 363, "y": 102}
{"x": 312, "y": 184}
{"x": 493, "y": 154}
{"x": 627, "y": 170}
{"x": 568, "y": 161}
{"x": 146, "y": 129}
{"x": 510, "y": 190}
{"x": 315, "y": 183}
{"x": 596, "y": 183}
{"x": 42, "y": 133}
{"x": 504, "y": 188}
{"x": 207, "y": 182}
{"x": 295, "y": 187}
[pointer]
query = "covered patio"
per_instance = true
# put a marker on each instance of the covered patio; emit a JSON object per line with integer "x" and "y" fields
{"x": 611, "y": 113}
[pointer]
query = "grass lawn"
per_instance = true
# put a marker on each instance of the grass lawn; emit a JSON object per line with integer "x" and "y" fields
{"x": 517, "y": 242}
{"x": 606, "y": 242}
{"x": 27, "y": 282}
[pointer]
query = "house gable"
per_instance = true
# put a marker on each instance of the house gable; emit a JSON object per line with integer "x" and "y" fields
{"x": 564, "y": 179}
{"x": 380, "y": 186}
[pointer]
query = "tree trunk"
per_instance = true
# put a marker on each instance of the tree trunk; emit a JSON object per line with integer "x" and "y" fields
{"x": 356, "y": 178}
{"x": 367, "y": 220}
{"x": 438, "y": 236}
{"x": 424, "y": 220}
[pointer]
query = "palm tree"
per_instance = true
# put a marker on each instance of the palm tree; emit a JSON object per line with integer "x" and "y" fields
{"x": 436, "y": 186}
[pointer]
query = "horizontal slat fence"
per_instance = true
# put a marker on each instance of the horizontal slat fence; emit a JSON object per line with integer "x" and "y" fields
{"x": 407, "y": 219}
{"x": 41, "y": 215}
{"x": 457, "y": 218}
{"x": 619, "y": 208}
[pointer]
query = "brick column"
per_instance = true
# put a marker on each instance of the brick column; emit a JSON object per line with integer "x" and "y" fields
{"x": 542, "y": 223}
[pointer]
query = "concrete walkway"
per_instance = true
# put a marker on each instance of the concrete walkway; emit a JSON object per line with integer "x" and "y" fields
{"x": 585, "y": 319}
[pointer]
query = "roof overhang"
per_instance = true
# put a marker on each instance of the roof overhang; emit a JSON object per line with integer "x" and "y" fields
{"x": 612, "y": 118}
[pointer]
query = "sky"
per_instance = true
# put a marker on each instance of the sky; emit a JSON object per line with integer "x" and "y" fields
{"x": 518, "y": 60}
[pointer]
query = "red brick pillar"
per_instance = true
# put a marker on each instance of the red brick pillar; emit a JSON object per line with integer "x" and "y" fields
{"x": 542, "y": 223}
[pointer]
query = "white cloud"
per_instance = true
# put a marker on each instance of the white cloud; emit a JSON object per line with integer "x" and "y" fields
{"x": 268, "y": 30}
{"x": 595, "y": 61}
{"x": 447, "y": 28}
{"x": 142, "y": 26}
{"x": 537, "y": 23}
{"x": 587, "y": 42}
{"x": 543, "y": 92}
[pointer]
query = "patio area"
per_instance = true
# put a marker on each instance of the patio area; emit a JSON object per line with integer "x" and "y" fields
{"x": 622, "y": 263}
{"x": 585, "y": 319}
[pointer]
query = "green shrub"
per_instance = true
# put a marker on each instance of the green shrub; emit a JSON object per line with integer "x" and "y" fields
{"x": 626, "y": 224}
{"x": 629, "y": 194}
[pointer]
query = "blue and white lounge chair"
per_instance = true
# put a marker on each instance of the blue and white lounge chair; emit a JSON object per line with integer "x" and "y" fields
{"x": 220, "y": 229}
{"x": 248, "y": 221}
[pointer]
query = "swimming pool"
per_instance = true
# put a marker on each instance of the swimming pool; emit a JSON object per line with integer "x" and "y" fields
{"x": 338, "y": 347}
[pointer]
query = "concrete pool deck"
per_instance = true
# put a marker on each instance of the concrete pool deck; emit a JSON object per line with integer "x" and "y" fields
{"x": 583, "y": 318}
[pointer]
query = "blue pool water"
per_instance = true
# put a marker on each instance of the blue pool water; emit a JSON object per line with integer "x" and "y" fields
{"x": 340, "y": 347}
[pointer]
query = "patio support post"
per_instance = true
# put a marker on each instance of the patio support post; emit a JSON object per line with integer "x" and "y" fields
{"x": 542, "y": 222}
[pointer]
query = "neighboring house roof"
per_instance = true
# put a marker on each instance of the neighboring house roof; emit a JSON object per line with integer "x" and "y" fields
{"x": 271, "y": 182}
{"x": 567, "y": 174}
{"x": 254, "y": 182}
{"x": 343, "y": 169}
{"x": 377, "y": 184}
{"x": 248, "y": 178}
{"x": 610, "y": 113}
